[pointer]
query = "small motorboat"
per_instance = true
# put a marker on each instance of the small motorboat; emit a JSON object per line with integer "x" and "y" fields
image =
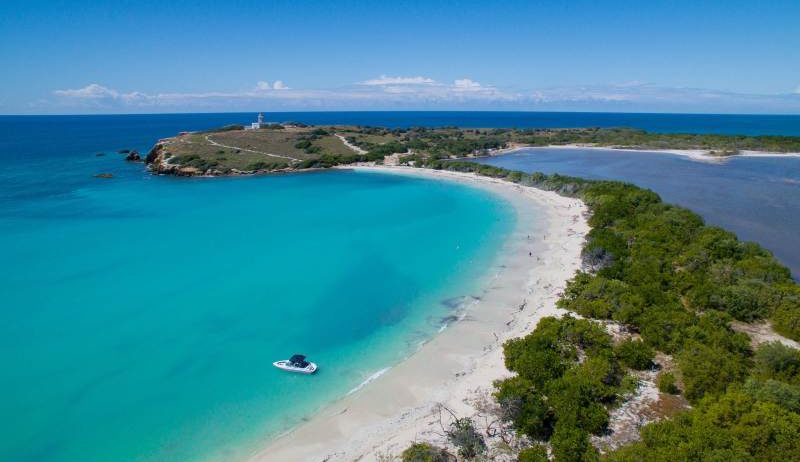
{"x": 297, "y": 363}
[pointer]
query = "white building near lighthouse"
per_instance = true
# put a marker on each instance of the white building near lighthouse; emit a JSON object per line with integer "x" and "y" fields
{"x": 259, "y": 122}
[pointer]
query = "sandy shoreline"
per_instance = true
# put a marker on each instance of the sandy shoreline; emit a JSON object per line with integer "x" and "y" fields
{"x": 698, "y": 155}
{"x": 456, "y": 367}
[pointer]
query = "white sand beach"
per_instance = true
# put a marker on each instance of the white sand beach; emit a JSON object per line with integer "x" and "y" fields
{"x": 768, "y": 154}
{"x": 457, "y": 367}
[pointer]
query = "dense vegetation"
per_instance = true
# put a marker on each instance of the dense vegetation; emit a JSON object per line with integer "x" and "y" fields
{"x": 425, "y": 452}
{"x": 442, "y": 143}
{"x": 657, "y": 269}
{"x": 567, "y": 374}
{"x": 632, "y": 138}
{"x": 754, "y": 421}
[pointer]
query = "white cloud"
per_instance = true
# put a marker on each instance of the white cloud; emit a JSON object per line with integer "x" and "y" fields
{"x": 421, "y": 92}
{"x": 386, "y": 80}
{"x": 797, "y": 90}
{"x": 423, "y": 89}
{"x": 263, "y": 85}
{"x": 466, "y": 85}
{"x": 97, "y": 94}
{"x": 91, "y": 91}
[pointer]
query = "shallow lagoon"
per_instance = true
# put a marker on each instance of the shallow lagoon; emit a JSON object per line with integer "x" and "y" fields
{"x": 756, "y": 197}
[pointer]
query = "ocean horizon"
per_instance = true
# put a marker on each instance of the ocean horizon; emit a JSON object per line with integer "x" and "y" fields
{"x": 659, "y": 122}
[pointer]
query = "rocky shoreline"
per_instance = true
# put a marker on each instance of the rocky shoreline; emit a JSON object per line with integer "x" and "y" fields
{"x": 157, "y": 161}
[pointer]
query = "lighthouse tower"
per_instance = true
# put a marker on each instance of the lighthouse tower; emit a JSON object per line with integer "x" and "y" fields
{"x": 259, "y": 123}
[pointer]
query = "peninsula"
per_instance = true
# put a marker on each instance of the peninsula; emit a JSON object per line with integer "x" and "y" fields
{"x": 684, "y": 345}
{"x": 265, "y": 148}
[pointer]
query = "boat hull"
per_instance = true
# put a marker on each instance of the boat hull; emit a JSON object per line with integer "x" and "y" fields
{"x": 286, "y": 366}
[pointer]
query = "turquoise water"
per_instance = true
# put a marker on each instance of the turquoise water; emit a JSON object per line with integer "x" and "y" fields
{"x": 140, "y": 315}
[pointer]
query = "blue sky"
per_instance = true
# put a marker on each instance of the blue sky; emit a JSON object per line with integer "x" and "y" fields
{"x": 655, "y": 56}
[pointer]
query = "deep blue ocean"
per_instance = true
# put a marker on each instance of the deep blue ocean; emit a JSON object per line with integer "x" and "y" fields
{"x": 163, "y": 125}
{"x": 140, "y": 314}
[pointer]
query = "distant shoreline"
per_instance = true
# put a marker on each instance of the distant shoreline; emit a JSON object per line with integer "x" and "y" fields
{"x": 234, "y": 150}
{"x": 400, "y": 405}
{"x": 698, "y": 155}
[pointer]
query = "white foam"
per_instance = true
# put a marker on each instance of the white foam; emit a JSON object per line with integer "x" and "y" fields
{"x": 368, "y": 380}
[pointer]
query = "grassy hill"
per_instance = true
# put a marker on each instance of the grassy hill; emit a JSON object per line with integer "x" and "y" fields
{"x": 235, "y": 150}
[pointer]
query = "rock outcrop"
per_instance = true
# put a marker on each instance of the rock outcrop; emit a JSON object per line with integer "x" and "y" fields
{"x": 133, "y": 156}
{"x": 154, "y": 154}
{"x": 158, "y": 163}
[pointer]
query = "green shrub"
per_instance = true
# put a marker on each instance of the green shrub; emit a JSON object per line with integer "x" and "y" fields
{"x": 709, "y": 369}
{"x": 425, "y": 452}
{"x": 774, "y": 391}
{"x": 666, "y": 383}
{"x": 786, "y": 317}
{"x": 193, "y": 160}
{"x": 463, "y": 435}
{"x": 260, "y": 165}
{"x": 629, "y": 384}
{"x": 775, "y": 360}
{"x": 529, "y": 411}
{"x": 536, "y": 453}
{"x": 599, "y": 297}
{"x": 571, "y": 444}
{"x": 635, "y": 354}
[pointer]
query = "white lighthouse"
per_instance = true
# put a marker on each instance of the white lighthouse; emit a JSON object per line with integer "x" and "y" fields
{"x": 259, "y": 122}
